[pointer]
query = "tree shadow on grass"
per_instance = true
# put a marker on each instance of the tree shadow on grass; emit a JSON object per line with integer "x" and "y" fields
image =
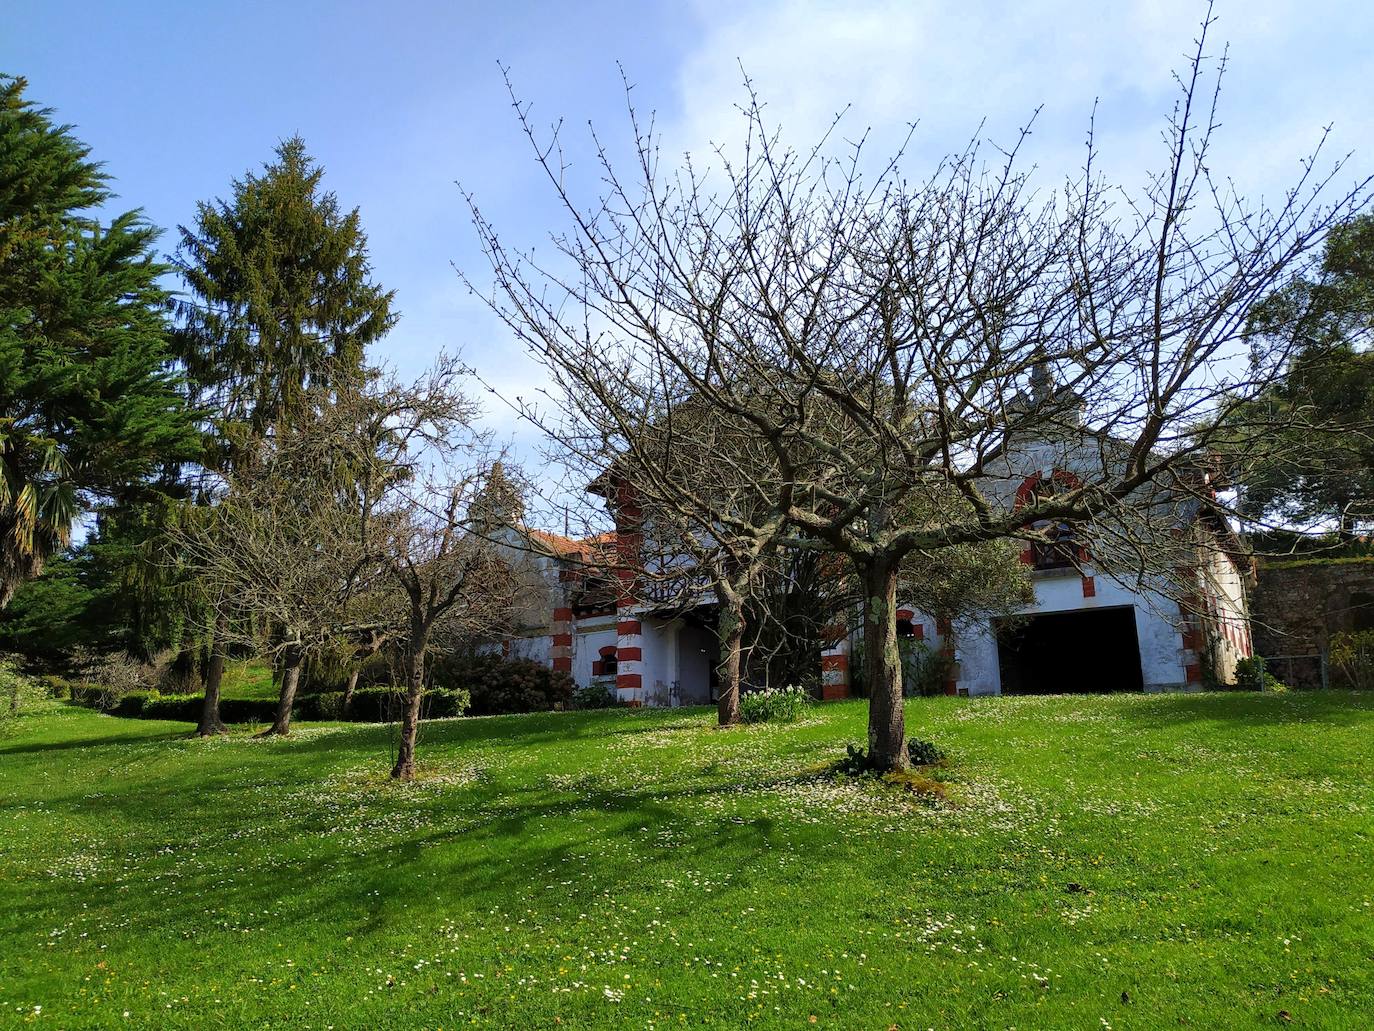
{"x": 1236, "y": 708}
{"x": 34, "y": 747}
{"x": 498, "y": 849}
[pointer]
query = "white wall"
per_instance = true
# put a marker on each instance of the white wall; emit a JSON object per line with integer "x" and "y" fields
{"x": 1224, "y": 584}
{"x": 1155, "y": 623}
{"x": 589, "y": 637}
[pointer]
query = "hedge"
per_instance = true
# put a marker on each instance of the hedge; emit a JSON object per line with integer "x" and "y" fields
{"x": 370, "y": 705}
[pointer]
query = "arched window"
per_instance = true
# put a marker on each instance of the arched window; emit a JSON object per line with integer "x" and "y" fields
{"x": 1061, "y": 549}
{"x": 905, "y": 628}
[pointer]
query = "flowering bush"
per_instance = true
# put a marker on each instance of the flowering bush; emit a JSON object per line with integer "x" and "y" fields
{"x": 773, "y": 705}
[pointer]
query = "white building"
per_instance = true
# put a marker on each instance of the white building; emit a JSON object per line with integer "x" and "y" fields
{"x": 1087, "y": 630}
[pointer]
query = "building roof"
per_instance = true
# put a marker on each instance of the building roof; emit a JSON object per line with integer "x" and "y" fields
{"x": 582, "y": 550}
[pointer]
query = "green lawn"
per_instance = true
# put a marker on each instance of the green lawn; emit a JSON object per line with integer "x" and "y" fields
{"x": 249, "y": 680}
{"x": 1123, "y": 862}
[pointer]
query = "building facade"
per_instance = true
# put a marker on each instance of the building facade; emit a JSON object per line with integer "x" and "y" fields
{"x": 1087, "y": 629}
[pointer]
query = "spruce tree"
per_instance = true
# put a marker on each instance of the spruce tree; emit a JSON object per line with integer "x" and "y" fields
{"x": 282, "y": 308}
{"x": 282, "y": 297}
{"x": 89, "y": 404}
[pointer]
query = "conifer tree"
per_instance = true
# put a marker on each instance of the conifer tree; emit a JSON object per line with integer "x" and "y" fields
{"x": 282, "y": 309}
{"x": 89, "y": 405}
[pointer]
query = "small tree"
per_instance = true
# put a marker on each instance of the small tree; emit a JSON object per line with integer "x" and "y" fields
{"x": 421, "y": 470}
{"x": 279, "y": 559}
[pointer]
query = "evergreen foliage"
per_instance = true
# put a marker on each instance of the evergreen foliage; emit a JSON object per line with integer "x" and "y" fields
{"x": 89, "y": 405}
{"x": 283, "y": 298}
{"x": 1319, "y": 469}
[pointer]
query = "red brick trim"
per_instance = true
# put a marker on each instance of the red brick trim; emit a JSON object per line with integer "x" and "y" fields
{"x": 908, "y": 614}
{"x": 629, "y": 654}
{"x": 1089, "y": 587}
{"x": 562, "y": 640}
{"x": 628, "y": 681}
{"x": 1193, "y": 673}
{"x": 562, "y": 614}
{"x": 1060, "y": 476}
{"x": 832, "y": 662}
{"x": 562, "y": 664}
{"x": 834, "y": 692}
{"x": 628, "y": 627}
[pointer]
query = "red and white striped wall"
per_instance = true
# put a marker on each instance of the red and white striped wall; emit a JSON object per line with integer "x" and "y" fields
{"x": 835, "y": 663}
{"x": 629, "y": 656}
{"x": 560, "y": 640}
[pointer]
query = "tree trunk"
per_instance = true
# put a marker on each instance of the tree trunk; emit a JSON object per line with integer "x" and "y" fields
{"x": 290, "y": 677}
{"x": 883, "y": 667}
{"x": 349, "y": 688}
{"x": 410, "y": 723}
{"x": 210, "y": 723}
{"x": 730, "y": 632}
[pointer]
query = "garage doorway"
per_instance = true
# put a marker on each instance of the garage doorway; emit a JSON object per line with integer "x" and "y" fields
{"x": 1082, "y": 652}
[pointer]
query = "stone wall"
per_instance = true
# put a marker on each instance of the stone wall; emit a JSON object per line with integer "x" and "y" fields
{"x": 1297, "y": 606}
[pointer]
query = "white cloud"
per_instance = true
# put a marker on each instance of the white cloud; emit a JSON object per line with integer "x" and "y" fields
{"x": 1294, "y": 68}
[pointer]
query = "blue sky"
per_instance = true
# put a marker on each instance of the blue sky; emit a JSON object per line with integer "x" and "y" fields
{"x": 398, "y": 100}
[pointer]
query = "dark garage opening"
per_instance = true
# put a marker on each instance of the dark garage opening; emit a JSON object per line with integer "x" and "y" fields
{"x": 1070, "y": 653}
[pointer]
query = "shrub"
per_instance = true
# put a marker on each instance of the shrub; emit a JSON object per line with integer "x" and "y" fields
{"x": 117, "y": 674}
{"x": 921, "y": 753}
{"x": 924, "y": 753}
{"x": 327, "y": 705}
{"x": 1252, "y": 674}
{"x": 93, "y": 696}
{"x": 594, "y": 696}
{"x": 183, "y": 707}
{"x": 381, "y": 705}
{"x": 18, "y": 693}
{"x": 131, "y": 704}
{"x": 57, "y": 687}
{"x": 773, "y": 705}
{"x": 1352, "y": 652}
{"x": 242, "y": 710}
{"x": 924, "y": 669}
{"x": 498, "y": 685}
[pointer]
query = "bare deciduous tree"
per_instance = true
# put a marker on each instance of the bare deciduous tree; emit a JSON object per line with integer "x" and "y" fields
{"x": 896, "y": 345}
{"x": 418, "y": 467}
{"x": 279, "y": 557}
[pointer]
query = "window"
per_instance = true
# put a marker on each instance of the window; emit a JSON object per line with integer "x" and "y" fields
{"x": 606, "y": 665}
{"x": 905, "y": 628}
{"x": 1060, "y": 552}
